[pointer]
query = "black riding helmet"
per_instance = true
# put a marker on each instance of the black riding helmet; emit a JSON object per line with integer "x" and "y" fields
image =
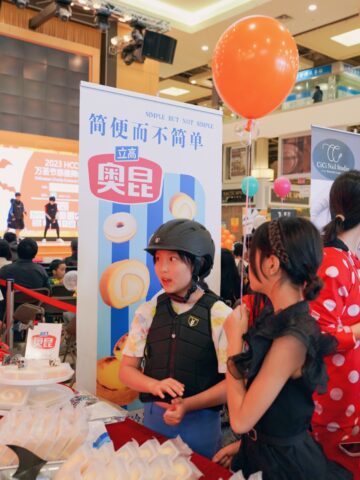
{"x": 186, "y": 236}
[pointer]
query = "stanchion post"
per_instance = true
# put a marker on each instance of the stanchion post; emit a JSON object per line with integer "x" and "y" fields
{"x": 10, "y": 312}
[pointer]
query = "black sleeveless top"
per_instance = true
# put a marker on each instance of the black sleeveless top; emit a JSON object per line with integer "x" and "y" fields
{"x": 289, "y": 415}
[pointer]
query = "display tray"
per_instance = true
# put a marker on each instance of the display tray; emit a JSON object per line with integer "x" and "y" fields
{"x": 47, "y": 472}
{"x": 33, "y": 382}
{"x": 43, "y": 396}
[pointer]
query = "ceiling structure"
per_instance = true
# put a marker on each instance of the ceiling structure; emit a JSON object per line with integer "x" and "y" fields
{"x": 199, "y": 23}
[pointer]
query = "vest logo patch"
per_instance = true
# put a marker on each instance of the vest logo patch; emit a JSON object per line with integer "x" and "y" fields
{"x": 193, "y": 321}
{"x": 157, "y": 240}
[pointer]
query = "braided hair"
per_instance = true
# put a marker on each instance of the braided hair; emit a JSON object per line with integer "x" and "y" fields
{"x": 297, "y": 244}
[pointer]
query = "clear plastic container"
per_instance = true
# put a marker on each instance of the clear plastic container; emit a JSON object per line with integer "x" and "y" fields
{"x": 46, "y": 396}
{"x": 13, "y": 396}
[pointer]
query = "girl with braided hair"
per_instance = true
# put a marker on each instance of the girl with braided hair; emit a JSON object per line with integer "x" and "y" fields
{"x": 275, "y": 365}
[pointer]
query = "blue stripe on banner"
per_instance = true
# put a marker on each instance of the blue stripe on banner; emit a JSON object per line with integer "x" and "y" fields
{"x": 104, "y": 260}
{"x": 171, "y": 186}
{"x": 187, "y": 185}
{"x": 200, "y": 202}
{"x": 137, "y": 245}
{"x": 154, "y": 220}
{"x": 119, "y": 318}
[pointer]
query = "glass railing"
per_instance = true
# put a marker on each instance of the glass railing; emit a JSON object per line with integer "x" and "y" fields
{"x": 323, "y": 84}
{"x": 336, "y": 81}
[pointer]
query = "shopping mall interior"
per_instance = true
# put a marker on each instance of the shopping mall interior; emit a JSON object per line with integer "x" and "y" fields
{"x": 220, "y": 113}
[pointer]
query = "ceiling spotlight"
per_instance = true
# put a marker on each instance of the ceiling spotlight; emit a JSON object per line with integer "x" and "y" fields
{"x": 102, "y": 18}
{"x": 114, "y": 41}
{"x": 126, "y": 18}
{"x": 205, "y": 48}
{"x": 63, "y": 10}
{"x": 312, "y": 7}
{"x": 193, "y": 82}
{"x": 21, "y": 3}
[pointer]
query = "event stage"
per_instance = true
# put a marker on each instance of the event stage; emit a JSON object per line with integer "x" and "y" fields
{"x": 52, "y": 249}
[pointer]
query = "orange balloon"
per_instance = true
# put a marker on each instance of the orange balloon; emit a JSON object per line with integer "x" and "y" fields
{"x": 226, "y": 232}
{"x": 229, "y": 244}
{"x": 232, "y": 237}
{"x": 255, "y": 65}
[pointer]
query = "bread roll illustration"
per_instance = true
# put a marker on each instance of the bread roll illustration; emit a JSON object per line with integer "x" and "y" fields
{"x": 124, "y": 282}
{"x": 120, "y": 227}
{"x": 182, "y": 206}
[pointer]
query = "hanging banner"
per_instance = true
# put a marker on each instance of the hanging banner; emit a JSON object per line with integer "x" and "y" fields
{"x": 143, "y": 161}
{"x": 38, "y": 174}
{"x": 333, "y": 152}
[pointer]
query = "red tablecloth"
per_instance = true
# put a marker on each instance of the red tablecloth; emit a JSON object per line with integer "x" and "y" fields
{"x": 123, "y": 432}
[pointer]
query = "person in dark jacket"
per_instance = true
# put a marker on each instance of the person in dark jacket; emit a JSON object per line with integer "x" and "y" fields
{"x": 24, "y": 271}
{"x": 230, "y": 278}
{"x": 10, "y": 237}
{"x": 73, "y": 259}
{"x": 16, "y": 215}
{"x": 51, "y": 220}
{"x": 318, "y": 95}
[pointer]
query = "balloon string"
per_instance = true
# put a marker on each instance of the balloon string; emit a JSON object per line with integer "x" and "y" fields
{"x": 248, "y": 157}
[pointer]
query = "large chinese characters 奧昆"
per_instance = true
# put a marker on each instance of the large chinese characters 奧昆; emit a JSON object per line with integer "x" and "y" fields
{"x": 129, "y": 182}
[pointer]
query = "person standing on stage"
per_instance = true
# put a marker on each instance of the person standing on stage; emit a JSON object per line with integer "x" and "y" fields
{"x": 16, "y": 215}
{"x": 51, "y": 211}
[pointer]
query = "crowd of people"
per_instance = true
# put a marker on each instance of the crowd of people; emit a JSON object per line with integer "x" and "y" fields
{"x": 285, "y": 361}
{"x": 17, "y": 263}
{"x": 279, "y": 346}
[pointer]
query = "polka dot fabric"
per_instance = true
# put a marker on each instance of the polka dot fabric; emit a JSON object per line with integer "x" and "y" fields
{"x": 337, "y": 413}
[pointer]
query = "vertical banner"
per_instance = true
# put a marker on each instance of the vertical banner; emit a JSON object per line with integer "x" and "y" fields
{"x": 143, "y": 161}
{"x": 333, "y": 152}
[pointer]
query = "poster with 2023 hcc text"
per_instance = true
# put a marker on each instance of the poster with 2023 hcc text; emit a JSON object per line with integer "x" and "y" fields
{"x": 143, "y": 161}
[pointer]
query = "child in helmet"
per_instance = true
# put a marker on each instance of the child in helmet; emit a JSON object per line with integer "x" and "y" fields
{"x": 179, "y": 337}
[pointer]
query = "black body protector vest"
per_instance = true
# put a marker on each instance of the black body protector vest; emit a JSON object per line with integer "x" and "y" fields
{"x": 181, "y": 347}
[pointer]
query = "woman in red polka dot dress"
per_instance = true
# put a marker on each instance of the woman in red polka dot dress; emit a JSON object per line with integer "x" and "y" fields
{"x": 337, "y": 309}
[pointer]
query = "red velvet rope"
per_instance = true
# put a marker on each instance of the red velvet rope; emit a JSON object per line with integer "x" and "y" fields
{"x": 43, "y": 298}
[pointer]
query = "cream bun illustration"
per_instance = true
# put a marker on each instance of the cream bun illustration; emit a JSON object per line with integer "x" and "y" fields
{"x": 182, "y": 206}
{"x": 120, "y": 227}
{"x": 119, "y": 346}
{"x": 124, "y": 283}
{"x": 108, "y": 385}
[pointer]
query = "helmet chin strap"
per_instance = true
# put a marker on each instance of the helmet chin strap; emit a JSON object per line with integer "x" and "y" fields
{"x": 185, "y": 298}
{"x": 193, "y": 286}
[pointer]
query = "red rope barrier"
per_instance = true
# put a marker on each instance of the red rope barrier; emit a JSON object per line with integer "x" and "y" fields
{"x": 43, "y": 298}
